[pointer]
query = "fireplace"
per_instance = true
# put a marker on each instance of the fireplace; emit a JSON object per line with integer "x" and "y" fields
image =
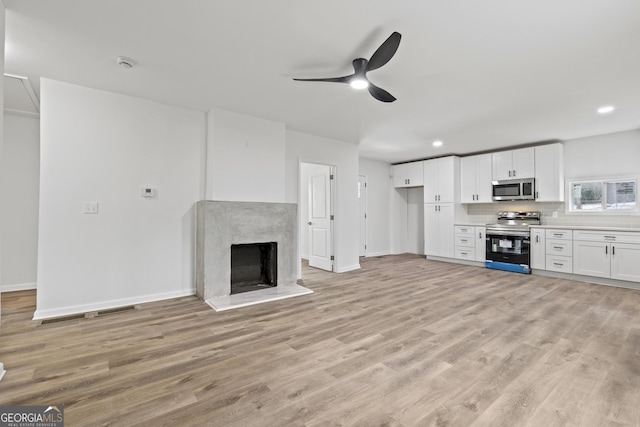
{"x": 261, "y": 234}
{"x": 254, "y": 266}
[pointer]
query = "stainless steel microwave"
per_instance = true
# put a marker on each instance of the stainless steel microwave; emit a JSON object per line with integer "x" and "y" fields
{"x": 514, "y": 189}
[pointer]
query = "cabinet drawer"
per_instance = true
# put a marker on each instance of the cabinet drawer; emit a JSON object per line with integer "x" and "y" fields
{"x": 465, "y": 241}
{"x": 559, "y": 247}
{"x": 559, "y": 234}
{"x": 559, "y": 263}
{"x": 465, "y": 229}
{"x": 466, "y": 253}
{"x": 611, "y": 237}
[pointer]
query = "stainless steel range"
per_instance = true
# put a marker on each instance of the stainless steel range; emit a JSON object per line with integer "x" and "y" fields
{"x": 508, "y": 241}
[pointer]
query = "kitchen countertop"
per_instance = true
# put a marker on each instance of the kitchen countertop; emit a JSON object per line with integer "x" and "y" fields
{"x": 588, "y": 227}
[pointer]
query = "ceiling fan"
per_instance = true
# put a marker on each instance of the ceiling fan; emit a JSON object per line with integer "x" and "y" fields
{"x": 361, "y": 67}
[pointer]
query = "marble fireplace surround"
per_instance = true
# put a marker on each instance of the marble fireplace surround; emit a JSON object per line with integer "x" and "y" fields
{"x": 221, "y": 224}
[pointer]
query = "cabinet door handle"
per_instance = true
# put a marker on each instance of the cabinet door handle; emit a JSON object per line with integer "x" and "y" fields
{"x": 610, "y": 237}
{"x": 463, "y": 240}
{"x": 606, "y": 250}
{"x": 435, "y": 198}
{"x": 558, "y": 247}
{"x": 435, "y": 208}
{"x": 509, "y": 173}
{"x": 537, "y": 239}
{"x": 438, "y": 208}
{"x": 479, "y": 234}
{"x": 514, "y": 172}
{"x": 558, "y": 234}
{"x": 536, "y": 194}
{"x": 613, "y": 250}
{"x": 559, "y": 264}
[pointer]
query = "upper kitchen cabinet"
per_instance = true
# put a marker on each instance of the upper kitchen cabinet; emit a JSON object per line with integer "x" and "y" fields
{"x": 475, "y": 179}
{"x": 408, "y": 175}
{"x": 441, "y": 180}
{"x": 549, "y": 173}
{"x": 513, "y": 164}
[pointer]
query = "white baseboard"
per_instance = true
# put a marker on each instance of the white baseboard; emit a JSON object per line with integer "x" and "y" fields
{"x": 105, "y": 305}
{"x": 374, "y": 254}
{"x": 18, "y": 287}
{"x": 348, "y": 268}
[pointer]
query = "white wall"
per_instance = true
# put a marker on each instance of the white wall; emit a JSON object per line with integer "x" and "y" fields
{"x": 301, "y": 147}
{"x": 19, "y": 181}
{"x": 379, "y": 184}
{"x": 245, "y": 158}
{"x": 105, "y": 147}
{"x": 612, "y": 154}
{"x": 399, "y": 202}
{"x": 415, "y": 220}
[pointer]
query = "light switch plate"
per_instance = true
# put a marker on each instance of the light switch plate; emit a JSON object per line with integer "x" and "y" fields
{"x": 90, "y": 208}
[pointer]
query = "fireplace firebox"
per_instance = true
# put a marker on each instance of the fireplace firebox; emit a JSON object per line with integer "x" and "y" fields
{"x": 254, "y": 266}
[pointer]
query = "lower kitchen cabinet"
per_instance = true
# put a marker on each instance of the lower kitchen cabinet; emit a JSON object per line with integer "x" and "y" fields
{"x": 558, "y": 250}
{"x": 438, "y": 230}
{"x": 538, "y": 249}
{"x": 470, "y": 243}
{"x": 608, "y": 255}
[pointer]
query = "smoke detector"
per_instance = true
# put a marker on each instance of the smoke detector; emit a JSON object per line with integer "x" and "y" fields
{"x": 125, "y": 62}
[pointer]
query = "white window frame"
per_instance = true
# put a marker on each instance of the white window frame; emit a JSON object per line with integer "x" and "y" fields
{"x": 603, "y": 209}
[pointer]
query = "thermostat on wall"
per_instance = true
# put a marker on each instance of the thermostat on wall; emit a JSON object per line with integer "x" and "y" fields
{"x": 148, "y": 192}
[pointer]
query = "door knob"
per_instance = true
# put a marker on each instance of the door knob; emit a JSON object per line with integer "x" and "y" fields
{"x": 310, "y": 223}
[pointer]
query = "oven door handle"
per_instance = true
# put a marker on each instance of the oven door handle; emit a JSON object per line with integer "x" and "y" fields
{"x": 507, "y": 233}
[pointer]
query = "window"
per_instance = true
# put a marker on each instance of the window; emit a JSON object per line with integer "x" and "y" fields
{"x": 603, "y": 195}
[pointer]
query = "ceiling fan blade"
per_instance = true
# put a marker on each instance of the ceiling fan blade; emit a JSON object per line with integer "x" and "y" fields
{"x": 385, "y": 52}
{"x": 380, "y": 94}
{"x": 344, "y": 79}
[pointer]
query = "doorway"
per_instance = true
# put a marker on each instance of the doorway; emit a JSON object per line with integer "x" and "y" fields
{"x": 316, "y": 214}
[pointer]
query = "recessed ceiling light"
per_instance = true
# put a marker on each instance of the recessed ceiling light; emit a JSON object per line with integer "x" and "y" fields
{"x": 437, "y": 143}
{"x": 606, "y": 109}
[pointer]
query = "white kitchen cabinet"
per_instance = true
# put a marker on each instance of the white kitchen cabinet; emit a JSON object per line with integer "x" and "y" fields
{"x": 625, "y": 262}
{"x": 559, "y": 250}
{"x": 513, "y": 164}
{"x": 408, "y": 175}
{"x": 481, "y": 243}
{"x": 475, "y": 179}
{"x": 591, "y": 258}
{"x": 439, "y": 230}
{"x": 611, "y": 255}
{"x": 549, "y": 173}
{"x": 442, "y": 180}
{"x": 538, "y": 249}
{"x": 470, "y": 242}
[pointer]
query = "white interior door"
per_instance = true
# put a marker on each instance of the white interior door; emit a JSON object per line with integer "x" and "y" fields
{"x": 362, "y": 204}
{"x": 320, "y": 233}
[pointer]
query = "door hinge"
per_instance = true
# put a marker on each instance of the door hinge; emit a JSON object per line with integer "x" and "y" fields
{"x": 331, "y": 176}
{"x": 365, "y": 247}
{"x": 365, "y": 216}
{"x": 331, "y": 218}
{"x": 331, "y": 257}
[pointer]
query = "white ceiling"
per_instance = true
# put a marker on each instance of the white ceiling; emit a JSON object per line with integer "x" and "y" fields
{"x": 478, "y": 75}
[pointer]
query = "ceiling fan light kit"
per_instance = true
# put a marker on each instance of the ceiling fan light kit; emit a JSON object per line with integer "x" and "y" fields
{"x": 361, "y": 66}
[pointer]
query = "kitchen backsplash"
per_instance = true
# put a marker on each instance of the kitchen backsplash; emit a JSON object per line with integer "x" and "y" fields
{"x": 485, "y": 213}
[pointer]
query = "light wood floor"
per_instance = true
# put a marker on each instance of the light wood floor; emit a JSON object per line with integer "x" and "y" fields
{"x": 402, "y": 342}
